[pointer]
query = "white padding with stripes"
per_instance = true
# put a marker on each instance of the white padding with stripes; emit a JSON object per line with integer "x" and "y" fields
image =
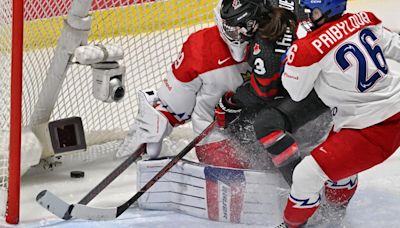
{"x": 215, "y": 193}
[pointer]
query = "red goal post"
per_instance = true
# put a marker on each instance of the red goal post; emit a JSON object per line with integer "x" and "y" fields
{"x": 12, "y": 214}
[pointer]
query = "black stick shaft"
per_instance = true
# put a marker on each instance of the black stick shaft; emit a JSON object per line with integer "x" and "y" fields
{"x": 113, "y": 175}
{"x": 163, "y": 171}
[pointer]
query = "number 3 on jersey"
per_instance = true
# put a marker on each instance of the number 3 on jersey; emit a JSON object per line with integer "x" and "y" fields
{"x": 368, "y": 40}
{"x": 259, "y": 67}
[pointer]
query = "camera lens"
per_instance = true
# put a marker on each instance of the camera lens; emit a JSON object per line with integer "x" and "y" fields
{"x": 119, "y": 93}
{"x": 117, "y": 90}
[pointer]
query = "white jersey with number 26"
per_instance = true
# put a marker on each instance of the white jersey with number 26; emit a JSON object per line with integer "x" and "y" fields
{"x": 345, "y": 61}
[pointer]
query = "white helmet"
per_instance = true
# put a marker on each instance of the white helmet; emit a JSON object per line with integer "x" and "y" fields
{"x": 237, "y": 21}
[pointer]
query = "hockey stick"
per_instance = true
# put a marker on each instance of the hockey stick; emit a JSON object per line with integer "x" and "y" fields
{"x": 61, "y": 209}
{"x": 81, "y": 211}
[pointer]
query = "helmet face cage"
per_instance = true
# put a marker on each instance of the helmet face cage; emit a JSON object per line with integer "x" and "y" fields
{"x": 238, "y": 33}
{"x": 328, "y": 8}
{"x": 237, "y": 23}
{"x": 228, "y": 33}
{"x": 237, "y": 48}
{"x": 239, "y": 17}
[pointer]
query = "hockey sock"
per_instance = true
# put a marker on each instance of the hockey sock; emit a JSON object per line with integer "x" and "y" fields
{"x": 297, "y": 211}
{"x": 339, "y": 193}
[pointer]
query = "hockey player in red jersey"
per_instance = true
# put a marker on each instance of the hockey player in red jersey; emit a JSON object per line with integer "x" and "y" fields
{"x": 211, "y": 63}
{"x": 343, "y": 57}
{"x": 199, "y": 78}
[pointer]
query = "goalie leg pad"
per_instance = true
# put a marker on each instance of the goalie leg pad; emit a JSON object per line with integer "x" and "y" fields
{"x": 215, "y": 193}
{"x": 222, "y": 153}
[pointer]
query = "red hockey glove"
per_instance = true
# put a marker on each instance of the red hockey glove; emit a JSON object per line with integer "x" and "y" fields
{"x": 227, "y": 111}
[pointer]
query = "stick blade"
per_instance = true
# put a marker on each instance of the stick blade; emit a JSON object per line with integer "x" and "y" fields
{"x": 54, "y": 204}
{"x": 80, "y": 211}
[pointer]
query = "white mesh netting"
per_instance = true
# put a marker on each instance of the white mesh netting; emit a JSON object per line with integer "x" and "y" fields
{"x": 5, "y": 73}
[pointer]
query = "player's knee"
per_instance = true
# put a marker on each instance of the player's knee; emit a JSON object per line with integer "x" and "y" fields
{"x": 268, "y": 121}
{"x": 270, "y": 131}
{"x": 269, "y": 127}
{"x": 308, "y": 177}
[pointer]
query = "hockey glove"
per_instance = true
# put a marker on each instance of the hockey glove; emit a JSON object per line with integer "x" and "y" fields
{"x": 150, "y": 127}
{"x": 227, "y": 111}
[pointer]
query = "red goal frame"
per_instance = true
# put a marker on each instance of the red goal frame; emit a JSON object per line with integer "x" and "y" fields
{"x": 13, "y": 201}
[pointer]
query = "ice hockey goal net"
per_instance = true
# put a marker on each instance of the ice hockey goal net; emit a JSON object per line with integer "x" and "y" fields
{"x": 150, "y": 32}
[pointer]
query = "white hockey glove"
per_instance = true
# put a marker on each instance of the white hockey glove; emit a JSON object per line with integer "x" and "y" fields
{"x": 150, "y": 127}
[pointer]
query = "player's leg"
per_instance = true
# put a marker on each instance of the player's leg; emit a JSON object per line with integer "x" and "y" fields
{"x": 358, "y": 150}
{"x": 337, "y": 197}
{"x": 338, "y": 193}
{"x": 269, "y": 127}
{"x": 308, "y": 177}
{"x": 342, "y": 155}
{"x": 273, "y": 127}
{"x": 305, "y": 194}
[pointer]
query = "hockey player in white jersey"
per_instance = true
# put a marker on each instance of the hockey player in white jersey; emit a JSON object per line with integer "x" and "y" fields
{"x": 343, "y": 57}
{"x": 212, "y": 62}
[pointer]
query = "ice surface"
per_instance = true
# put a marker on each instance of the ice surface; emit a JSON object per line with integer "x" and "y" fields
{"x": 376, "y": 203}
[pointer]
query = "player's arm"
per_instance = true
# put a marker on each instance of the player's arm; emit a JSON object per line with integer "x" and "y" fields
{"x": 171, "y": 105}
{"x": 160, "y": 111}
{"x": 389, "y": 41}
{"x": 300, "y": 72}
{"x": 177, "y": 98}
{"x": 179, "y": 89}
{"x": 391, "y": 44}
{"x": 230, "y": 105}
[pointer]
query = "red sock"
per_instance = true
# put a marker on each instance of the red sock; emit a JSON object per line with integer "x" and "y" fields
{"x": 340, "y": 193}
{"x": 297, "y": 212}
